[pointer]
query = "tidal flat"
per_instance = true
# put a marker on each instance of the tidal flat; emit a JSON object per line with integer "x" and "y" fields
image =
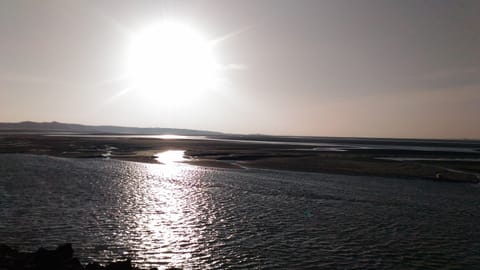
{"x": 439, "y": 160}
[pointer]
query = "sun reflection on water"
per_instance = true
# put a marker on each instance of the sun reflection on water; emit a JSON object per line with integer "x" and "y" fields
{"x": 163, "y": 223}
{"x": 172, "y": 163}
{"x": 171, "y": 156}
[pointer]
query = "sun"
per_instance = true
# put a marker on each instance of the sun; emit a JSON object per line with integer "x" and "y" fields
{"x": 172, "y": 61}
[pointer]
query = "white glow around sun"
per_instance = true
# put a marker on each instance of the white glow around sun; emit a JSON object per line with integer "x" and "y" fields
{"x": 171, "y": 60}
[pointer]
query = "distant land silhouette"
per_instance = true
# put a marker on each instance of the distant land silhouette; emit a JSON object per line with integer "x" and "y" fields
{"x": 57, "y": 127}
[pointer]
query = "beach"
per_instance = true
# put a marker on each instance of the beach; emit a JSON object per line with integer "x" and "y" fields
{"x": 434, "y": 160}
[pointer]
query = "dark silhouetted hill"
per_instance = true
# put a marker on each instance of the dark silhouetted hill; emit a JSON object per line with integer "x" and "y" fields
{"x": 56, "y": 127}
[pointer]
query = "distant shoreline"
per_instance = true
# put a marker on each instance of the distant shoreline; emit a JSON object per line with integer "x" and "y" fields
{"x": 438, "y": 162}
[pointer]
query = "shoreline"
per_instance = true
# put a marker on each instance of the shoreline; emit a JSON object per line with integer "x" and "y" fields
{"x": 398, "y": 163}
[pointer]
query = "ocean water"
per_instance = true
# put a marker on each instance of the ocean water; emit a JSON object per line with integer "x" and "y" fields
{"x": 205, "y": 218}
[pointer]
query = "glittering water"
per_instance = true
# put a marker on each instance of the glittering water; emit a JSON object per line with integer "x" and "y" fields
{"x": 198, "y": 218}
{"x": 170, "y": 157}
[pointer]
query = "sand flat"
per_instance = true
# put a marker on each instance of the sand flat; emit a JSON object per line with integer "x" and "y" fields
{"x": 316, "y": 156}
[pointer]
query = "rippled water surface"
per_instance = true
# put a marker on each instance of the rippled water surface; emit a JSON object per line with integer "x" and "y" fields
{"x": 198, "y": 218}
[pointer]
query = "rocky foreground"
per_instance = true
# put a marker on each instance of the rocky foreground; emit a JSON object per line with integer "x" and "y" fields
{"x": 59, "y": 259}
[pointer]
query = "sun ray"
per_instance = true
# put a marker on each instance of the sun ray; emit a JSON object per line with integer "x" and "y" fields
{"x": 230, "y": 35}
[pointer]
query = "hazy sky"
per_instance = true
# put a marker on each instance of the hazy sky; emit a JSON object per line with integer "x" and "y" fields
{"x": 327, "y": 68}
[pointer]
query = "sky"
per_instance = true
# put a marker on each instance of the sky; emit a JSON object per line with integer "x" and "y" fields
{"x": 322, "y": 68}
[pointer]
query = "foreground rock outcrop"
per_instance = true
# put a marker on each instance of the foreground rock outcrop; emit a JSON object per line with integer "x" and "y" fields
{"x": 59, "y": 259}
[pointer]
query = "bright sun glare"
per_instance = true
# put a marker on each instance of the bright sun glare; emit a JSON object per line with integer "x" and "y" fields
{"x": 171, "y": 60}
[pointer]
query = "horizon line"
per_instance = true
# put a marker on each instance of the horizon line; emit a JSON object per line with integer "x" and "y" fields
{"x": 245, "y": 134}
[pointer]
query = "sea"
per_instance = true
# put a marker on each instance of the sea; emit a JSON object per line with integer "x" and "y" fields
{"x": 178, "y": 215}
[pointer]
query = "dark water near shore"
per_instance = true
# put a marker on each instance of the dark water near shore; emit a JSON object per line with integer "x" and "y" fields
{"x": 191, "y": 217}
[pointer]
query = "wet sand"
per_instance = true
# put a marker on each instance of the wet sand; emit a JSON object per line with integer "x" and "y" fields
{"x": 253, "y": 152}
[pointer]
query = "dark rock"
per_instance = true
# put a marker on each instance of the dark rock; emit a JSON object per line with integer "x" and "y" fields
{"x": 9, "y": 258}
{"x": 59, "y": 259}
{"x": 94, "y": 266}
{"x": 121, "y": 265}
